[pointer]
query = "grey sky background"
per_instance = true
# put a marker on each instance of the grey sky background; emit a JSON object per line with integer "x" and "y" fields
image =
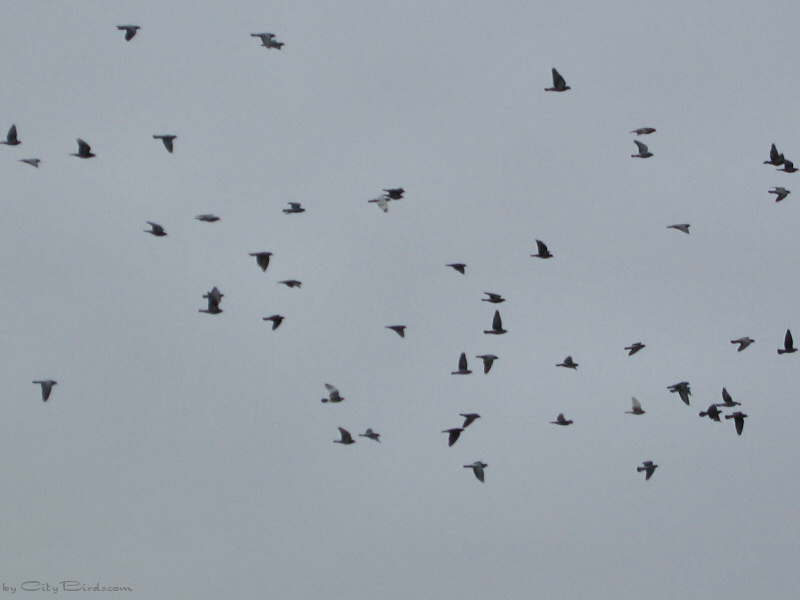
{"x": 188, "y": 455}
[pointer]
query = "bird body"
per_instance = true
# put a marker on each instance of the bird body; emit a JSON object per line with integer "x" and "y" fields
{"x": 11, "y": 137}
{"x": 398, "y": 329}
{"x": 643, "y": 151}
{"x": 346, "y": 437}
{"x": 497, "y": 325}
{"x": 268, "y": 40}
{"x": 333, "y": 394}
{"x": 382, "y": 202}
{"x": 775, "y": 158}
{"x": 214, "y": 298}
{"x": 47, "y": 387}
{"x": 560, "y": 420}
{"x": 462, "y": 366}
{"x": 780, "y": 193}
{"x": 727, "y": 401}
{"x": 84, "y": 150}
{"x": 371, "y": 435}
{"x": 468, "y": 419}
{"x": 649, "y": 467}
{"x": 167, "y": 139}
{"x": 460, "y": 267}
{"x": 569, "y": 364}
{"x": 294, "y": 207}
{"x": 130, "y": 31}
{"x": 743, "y": 342}
{"x": 276, "y": 320}
{"x": 788, "y": 344}
{"x": 477, "y": 468}
{"x": 292, "y": 283}
{"x": 634, "y": 348}
{"x": 453, "y": 434}
{"x": 644, "y": 131}
{"x": 788, "y": 166}
{"x": 34, "y": 162}
{"x": 712, "y": 412}
{"x": 156, "y": 229}
{"x": 262, "y": 259}
{"x": 493, "y": 298}
{"x": 684, "y": 227}
{"x": 636, "y": 408}
{"x": 738, "y": 419}
{"x": 488, "y": 361}
{"x": 543, "y": 251}
{"x": 395, "y": 193}
{"x": 208, "y": 218}
{"x": 682, "y": 389}
{"x": 559, "y": 85}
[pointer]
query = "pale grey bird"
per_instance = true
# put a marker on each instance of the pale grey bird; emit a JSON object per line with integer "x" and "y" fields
{"x": 636, "y": 408}
{"x": 712, "y": 413}
{"x": 788, "y": 344}
{"x": 156, "y": 229}
{"x": 291, "y": 283}
{"x": 743, "y": 342}
{"x": 738, "y": 419}
{"x": 333, "y": 394}
{"x": 346, "y": 437}
{"x": 395, "y": 193}
{"x": 371, "y": 435}
{"x": 34, "y": 162}
{"x": 453, "y": 434}
{"x": 649, "y": 467}
{"x": 497, "y": 325}
{"x": 643, "y": 151}
{"x": 11, "y": 137}
{"x": 460, "y": 267}
{"x": 276, "y": 320}
{"x": 682, "y": 389}
{"x": 643, "y": 131}
{"x": 559, "y": 85}
{"x": 543, "y": 251}
{"x": 294, "y": 207}
{"x": 84, "y": 150}
{"x": 268, "y": 40}
{"x": 208, "y": 218}
{"x": 780, "y": 193}
{"x": 477, "y": 468}
{"x": 684, "y": 227}
{"x": 488, "y": 361}
{"x": 462, "y": 366}
{"x": 262, "y": 259}
{"x": 130, "y": 31}
{"x": 382, "y": 202}
{"x": 398, "y": 329}
{"x": 47, "y": 387}
{"x": 727, "y": 401}
{"x": 167, "y": 139}
{"x": 560, "y": 420}
{"x": 775, "y": 158}
{"x": 468, "y": 418}
{"x": 634, "y": 348}
{"x": 493, "y": 298}
{"x": 569, "y": 364}
{"x": 788, "y": 167}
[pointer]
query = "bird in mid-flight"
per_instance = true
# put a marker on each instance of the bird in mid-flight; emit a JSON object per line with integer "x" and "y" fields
{"x": 333, "y": 394}
{"x": 130, "y": 31}
{"x": 156, "y": 229}
{"x": 712, "y": 413}
{"x": 497, "y": 325}
{"x": 214, "y": 297}
{"x": 208, "y": 218}
{"x": 634, "y": 348}
{"x": 788, "y": 166}
{"x": 643, "y": 151}
{"x": 775, "y": 158}
{"x": 47, "y": 387}
{"x": 560, "y": 420}
{"x": 395, "y": 193}
{"x": 684, "y": 227}
{"x": 569, "y": 364}
{"x": 780, "y": 193}
{"x": 262, "y": 259}
{"x": 727, "y": 401}
{"x": 268, "y": 40}
{"x": 649, "y": 467}
{"x": 788, "y": 344}
{"x": 559, "y": 85}
{"x": 636, "y": 408}
{"x": 488, "y": 361}
{"x": 468, "y": 419}
{"x": 167, "y": 139}
{"x": 682, "y": 389}
{"x": 493, "y": 298}
{"x": 738, "y": 419}
{"x": 84, "y": 150}
{"x": 398, "y": 329}
{"x": 276, "y": 320}
{"x": 462, "y": 366}
{"x": 371, "y": 435}
{"x": 346, "y": 437}
{"x": 453, "y": 434}
{"x": 34, "y": 162}
{"x": 11, "y": 138}
{"x": 382, "y": 202}
{"x": 743, "y": 342}
{"x": 294, "y": 207}
{"x": 543, "y": 251}
{"x": 477, "y": 468}
{"x": 643, "y": 131}
{"x": 460, "y": 267}
{"x": 292, "y": 283}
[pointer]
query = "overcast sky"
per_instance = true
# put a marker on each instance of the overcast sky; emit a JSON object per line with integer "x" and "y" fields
{"x": 188, "y": 455}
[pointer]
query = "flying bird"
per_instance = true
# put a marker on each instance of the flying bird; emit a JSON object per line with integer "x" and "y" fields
{"x": 738, "y": 419}
{"x": 460, "y": 267}
{"x": 488, "y": 361}
{"x": 294, "y": 207}
{"x": 208, "y": 218}
{"x": 649, "y": 467}
{"x": 468, "y": 419}
{"x": 214, "y": 298}
{"x": 11, "y": 138}
{"x": 727, "y": 401}
{"x": 398, "y": 329}
{"x": 462, "y": 366}
{"x": 47, "y": 387}
{"x": 34, "y": 162}
{"x": 788, "y": 344}
{"x": 712, "y": 412}
{"x": 395, "y": 193}
{"x": 291, "y": 283}
{"x": 262, "y": 259}
{"x": 643, "y": 131}
{"x": 276, "y": 321}
{"x": 477, "y": 468}
{"x": 775, "y": 158}
{"x": 493, "y": 298}
{"x": 167, "y": 139}
{"x": 743, "y": 342}
{"x": 788, "y": 167}
{"x": 560, "y": 420}
{"x": 346, "y": 437}
{"x": 215, "y": 294}
{"x": 497, "y": 325}
{"x": 84, "y": 150}
{"x": 780, "y": 193}
{"x": 333, "y": 394}
{"x": 157, "y": 230}
{"x": 382, "y": 202}
{"x": 268, "y": 40}
{"x": 453, "y": 435}
{"x": 684, "y": 227}
{"x": 543, "y": 251}
{"x": 682, "y": 389}
{"x": 559, "y": 85}
{"x": 371, "y": 435}
{"x": 634, "y": 348}
{"x": 643, "y": 151}
{"x": 636, "y": 408}
{"x": 569, "y": 364}
{"x": 130, "y": 31}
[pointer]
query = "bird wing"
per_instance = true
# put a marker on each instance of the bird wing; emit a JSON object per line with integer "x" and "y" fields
{"x": 83, "y": 147}
{"x": 636, "y": 404}
{"x": 558, "y": 80}
{"x": 332, "y": 392}
{"x": 12, "y": 134}
{"x": 788, "y": 342}
{"x": 541, "y": 246}
{"x": 478, "y": 469}
{"x": 462, "y": 362}
{"x": 497, "y": 322}
{"x": 346, "y": 437}
{"x": 726, "y": 397}
{"x": 774, "y": 155}
{"x": 642, "y": 147}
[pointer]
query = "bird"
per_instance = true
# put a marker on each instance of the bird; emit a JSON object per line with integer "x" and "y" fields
{"x": 346, "y": 437}
{"x": 11, "y": 138}
{"x": 636, "y": 408}
{"x": 743, "y": 342}
{"x": 727, "y": 401}
{"x": 643, "y": 151}
{"x": 788, "y": 167}
{"x": 130, "y": 31}
{"x": 276, "y": 321}
{"x": 738, "y": 419}
{"x": 493, "y": 298}
{"x": 395, "y": 193}
{"x": 543, "y": 251}
{"x": 684, "y": 227}
{"x": 157, "y": 230}
{"x": 398, "y": 329}
{"x": 649, "y": 467}
{"x": 775, "y": 158}
{"x": 788, "y": 344}
{"x": 468, "y": 419}
{"x": 47, "y": 387}
{"x": 682, "y": 390}
{"x": 497, "y": 325}
{"x": 208, "y": 218}
{"x": 712, "y": 412}
{"x": 371, "y": 435}
{"x": 215, "y": 294}
{"x": 560, "y": 420}
{"x": 291, "y": 283}
{"x": 382, "y": 202}
{"x": 462, "y": 366}
{"x": 643, "y": 131}
{"x": 333, "y": 394}
{"x": 460, "y": 267}
{"x": 453, "y": 435}
{"x": 214, "y": 298}
{"x": 634, "y": 348}
{"x": 84, "y": 150}
{"x": 167, "y": 139}
{"x": 569, "y": 364}
{"x": 477, "y": 468}
{"x": 780, "y": 193}
{"x": 34, "y": 162}
{"x": 559, "y": 85}
{"x": 268, "y": 40}
{"x": 488, "y": 360}
{"x": 294, "y": 207}
{"x": 262, "y": 259}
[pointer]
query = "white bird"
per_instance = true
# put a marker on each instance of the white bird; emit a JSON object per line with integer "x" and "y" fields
{"x": 333, "y": 394}
{"x": 780, "y": 193}
{"x": 47, "y": 387}
{"x": 643, "y": 151}
{"x": 382, "y": 202}
{"x": 477, "y": 468}
{"x": 637, "y": 408}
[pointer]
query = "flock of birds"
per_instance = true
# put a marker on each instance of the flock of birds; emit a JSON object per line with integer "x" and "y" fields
{"x": 214, "y": 296}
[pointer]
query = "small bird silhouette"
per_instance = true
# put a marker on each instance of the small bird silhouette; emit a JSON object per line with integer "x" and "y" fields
{"x": 47, "y": 387}
{"x": 167, "y": 139}
{"x": 294, "y": 207}
{"x": 636, "y": 408}
{"x": 543, "y": 251}
{"x": 346, "y": 437}
{"x": 214, "y": 297}
{"x": 488, "y": 361}
{"x": 382, "y": 202}
{"x": 208, "y": 218}
{"x": 634, "y": 348}
{"x": 453, "y": 435}
{"x": 268, "y": 40}
{"x": 462, "y": 366}
{"x": 477, "y": 468}
{"x": 643, "y": 151}
{"x": 775, "y": 158}
{"x": 84, "y": 150}
{"x": 395, "y": 193}
{"x": 262, "y": 259}
{"x": 788, "y": 344}
{"x": 34, "y": 162}
{"x": 643, "y": 131}
{"x": 493, "y": 298}
{"x": 371, "y": 435}
{"x": 157, "y": 230}
{"x": 276, "y": 321}
{"x": 649, "y": 467}
{"x": 780, "y": 193}
{"x": 788, "y": 167}
{"x": 712, "y": 412}
{"x": 569, "y": 364}
{"x": 333, "y": 394}
{"x": 497, "y": 325}
{"x": 560, "y": 420}
{"x": 460, "y": 267}
{"x": 738, "y": 419}
{"x": 743, "y": 342}
{"x": 291, "y": 283}
{"x": 398, "y": 329}
{"x": 727, "y": 401}
{"x": 559, "y": 85}
{"x": 130, "y": 31}
{"x": 468, "y": 419}
{"x": 684, "y": 227}
{"x": 11, "y": 138}
{"x": 682, "y": 390}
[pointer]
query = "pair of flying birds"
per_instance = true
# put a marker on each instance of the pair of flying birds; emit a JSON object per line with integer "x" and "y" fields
{"x": 777, "y": 159}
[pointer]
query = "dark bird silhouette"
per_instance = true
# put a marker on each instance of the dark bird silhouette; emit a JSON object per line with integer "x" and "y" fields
{"x": 560, "y": 420}
{"x": 497, "y": 325}
{"x": 780, "y": 193}
{"x": 208, "y": 218}
{"x": 743, "y": 342}
{"x": 682, "y": 389}
{"x": 543, "y": 251}
{"x": 84, "y": 150}
{"x": 649, "y": 467}
{"x": 738, "y": 419}
{"x": 294, "y": 207}
{"x": 130, "y": 31}
{"x": 775, "y": 158}
{"x": 634, "y": 348}
{"x": 788, "y": 344}
{"x": 643, "y": 151}
{"x": 559, "y": 85}
{"x": 346, "y": 437}
{"x": 34, "y": 162}
{"x": 333, "y": 394}
{"x": 788, "y": 167}
{"x": 712, "y": 412}
{"x": 727, "y": 401}
{"x": 291, "y": 283}
{"x": 644, "y": 131}
{"x": 493, "y": 298}
{"x": 488, "y": 361}
{"x": 157, "y": 230}
{"x": 569, "y": 364}
{"x": 462, "y": 366}
{"x": 468, "y": 418}
{"x": 214, "y": 297}
{"x": 398, "y": 329}
{"x": 371, "y": 435}
{"x": 47, "y": 387}
{"x": 477, "y": 468}
{"x": 395, "y": 193}
{"x": 268, "y": 40}
{"x": 684, "y": 227}
{"x": 167, "y": 139}
{"x": 460, "y": 267}
{"x": 262, "y": 259}
{"x": 276, "y": 321}
{"x": 636, "y": 408}
{"x": 11, "y": 138}
{"x": 453, "y": 435}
